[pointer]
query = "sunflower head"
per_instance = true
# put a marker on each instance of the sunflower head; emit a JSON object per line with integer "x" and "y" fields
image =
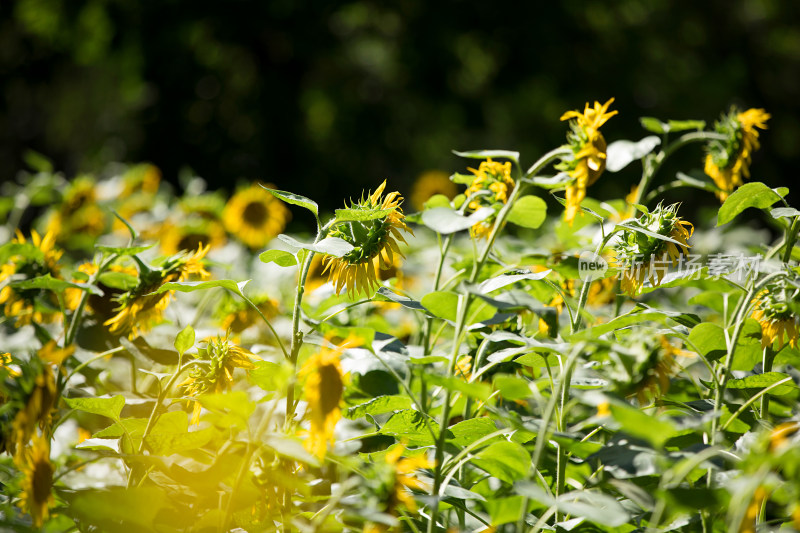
{"x": 430, "y": 183}
{"x": 37, "y": 481}
{"x": 213, "y": 373}
{"x": 190, "y": 235}
{"x": 645, "y": 257}
{"x": 774, "y": 313}
{"x": 490, "y": 187}
{"x": 374, "y": 243}
{"x": 728, "y": 160}
{"x": 39, "y": 258}
{"x": 588, "y": 158}
{"x": 323, "y": 387}
{"x": 403, "y": 476}
{"x": 254, "y": 216}
{"x": 79, "y": 220}
{"x": 236, "y": 315}
{"x": 140, "y": 306}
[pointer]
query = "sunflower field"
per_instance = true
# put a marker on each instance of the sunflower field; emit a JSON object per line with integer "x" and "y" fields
{"x": 508, "y": 354}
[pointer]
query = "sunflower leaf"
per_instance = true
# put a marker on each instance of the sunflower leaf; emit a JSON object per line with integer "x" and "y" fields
{"x": 754, "y": 194}
{"x": 295, "y": 199}
{"x": 330, "y": 246}
{"x": 445, "y": 220}
{"x": 528, "y": 212}
{"x": 57, "y": 285}
{"x": 483, "y": 154}
{"x": 191, "y": 286}
{"x": 622, "y": 153}
{"x": 108, "y": 407}
{"x": 279, "y": 257}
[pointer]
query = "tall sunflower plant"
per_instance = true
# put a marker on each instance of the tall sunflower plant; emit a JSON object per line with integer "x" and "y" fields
{"x": 515, "y": 355}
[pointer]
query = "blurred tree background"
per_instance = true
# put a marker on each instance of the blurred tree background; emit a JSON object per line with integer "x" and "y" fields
{"x": 327, "y": 99}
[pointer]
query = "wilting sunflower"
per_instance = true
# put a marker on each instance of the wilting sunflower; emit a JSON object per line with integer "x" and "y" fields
{"x": 643, "y": 257}
{"x": 217, "y": 359}
{"x": 728, "y": 160}
{"x": 428, "y": 184}
{"x": 323, "y": 388}
{"x": 139, "y": 307}
{"x": 374, "y": 244}
{"x": 31, "y": 305}
{"x": 776, "y": 318}
{"x": 190, "y": 235}
{"x": 37, "y": 481}
{"x": 588, "y": 159}
{"x": 254, "y": 216}
{"x": 489, "y": 188}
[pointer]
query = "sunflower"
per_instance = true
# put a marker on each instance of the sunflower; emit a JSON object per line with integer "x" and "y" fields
{"x": 728, "y": 160}
{"x": 588, "y": 159}
{"x": 428, "y": 184}
{"x": 191, "y": 234}
{"x": 489, "y": 188}
{"x": 78, "y": 220}
{"x": 405, "y": 477}
{"x": 374, "y": 244}
{"x": 37, "y": 410}
{"x": 140, "y": 307}
{"x": 37, "y": 481}
{"x": 217, "y": 360}
{"x": 776, "y": 319}
{"x": 142, "y": 178}
{"x": 31, "y": 305}
{"x": 323, "y": 389}
{"x": 254, "y": 216}
{"x": 638, "y": 253}
{"x": 237, "y": 315}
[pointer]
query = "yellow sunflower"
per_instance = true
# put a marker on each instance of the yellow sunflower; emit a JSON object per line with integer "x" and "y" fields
{"x": 79, "y": 219}
{"x": 217, "y": 360}
{"x": 494, "y": 178}
{"x": 776, "y": 319}
{"x": 31, "y": 305}
{"x": 430, "y": 183}
{"x": 139, "y": 307}
{"x": 237, "y": 315}
{"x": 588, "y": 159}
{"x": 37, "y": 481}
{"x": 323, "y": 388}
{"x": 643, "y": 257}
{"x": 190, "y": 235}
{"x": 254, "y": 216}
{"x": 405, "y": 477}
{"x": 38, "y": 408}
{"x": 728, "y": 160}
{"x": 142, "y": 178}
{"x": 374, "y": 242}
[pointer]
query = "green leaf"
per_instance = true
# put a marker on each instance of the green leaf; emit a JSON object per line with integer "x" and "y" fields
{"x": 654, "y": 125}
{"x": 386, "y": 292}
{"x": 481, "y": 391}
{"x": 505, "y": 510}
{"x": 507, "y": 461}
{"x": 108, "y": 407}
{"x": 622, "y": 153}
{"x": 437, "y": 200}
{"x": 528, "y": 212}
{"x": 236, "y": 403}
{"x": 685, "y": 125}
{"x": 468, "y": 431}
{"x": 762, "y": 381}
{"x": 330, "y": 246}
{"x": 709, "y": 339}
{"x": 269, "y": 376}
{"x": 164, "y": 443}
{"x": 37, "y": 162}
{"x": 754, "y": 194}
{"x": 596, "y": 507}
{"x": 360, "y": 215}
{"x": 191, "y": 286}
{"x": 290, "y": 448}
{"x": 410, "y": 426}
{"x": 653, "y": 429}
{"x": 279, "y": 257}
{"x": 184, "y": 340}
{"x": 123, "y": 250}
{"x": 511, "y": 387}
{"x": 780, "y": 212}
{"x": 50, "y": 283}
{"x": 379, "y": 406}
{"x": 295, "y": 199}
{"x": 484, "y": 154}
{"x": 492, "y": 284}
{"x": 444, "y": 304}
{"x": 445, "y": 220}
{"x": 119, "y": 508}
{"x": 118, "y": 280}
